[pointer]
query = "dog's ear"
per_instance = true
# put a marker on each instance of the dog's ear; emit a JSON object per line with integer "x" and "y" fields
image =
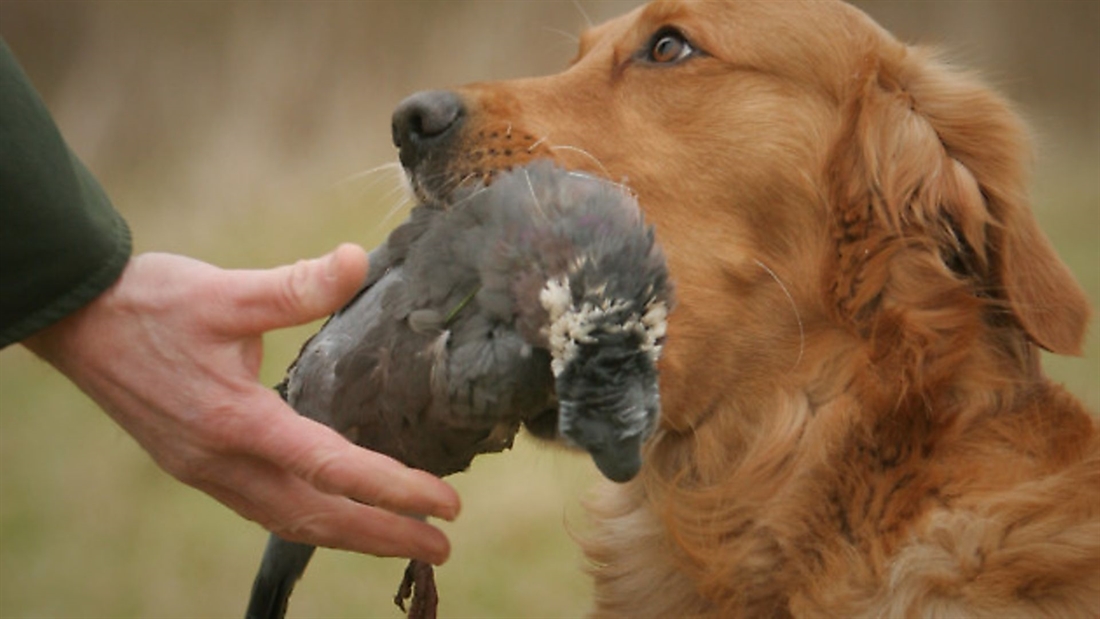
{"x": 931, "y": 160}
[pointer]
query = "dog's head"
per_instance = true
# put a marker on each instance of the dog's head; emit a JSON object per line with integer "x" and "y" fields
{"x": 830, "y": 200}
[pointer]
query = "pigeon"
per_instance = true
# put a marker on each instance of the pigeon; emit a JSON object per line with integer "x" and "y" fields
{"x": 540, "y": 299}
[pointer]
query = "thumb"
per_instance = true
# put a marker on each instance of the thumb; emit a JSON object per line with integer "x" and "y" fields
{"x": 294, "y": 294}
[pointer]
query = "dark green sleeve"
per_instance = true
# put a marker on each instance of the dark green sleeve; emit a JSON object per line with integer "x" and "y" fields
{"x": 61, "y": 241}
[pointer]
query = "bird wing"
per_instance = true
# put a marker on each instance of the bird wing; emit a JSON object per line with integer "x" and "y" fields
{"x": 316, "y": 359}
{"x": 413, "y": 367}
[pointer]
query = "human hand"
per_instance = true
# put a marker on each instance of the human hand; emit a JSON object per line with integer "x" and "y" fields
{"x": 172, "y": 352}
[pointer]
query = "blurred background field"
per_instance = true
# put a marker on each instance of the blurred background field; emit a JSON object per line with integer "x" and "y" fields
{"x": 240, "y": 133}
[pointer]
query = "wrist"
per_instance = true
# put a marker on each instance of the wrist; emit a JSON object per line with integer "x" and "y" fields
{"x": 54, "y": 343}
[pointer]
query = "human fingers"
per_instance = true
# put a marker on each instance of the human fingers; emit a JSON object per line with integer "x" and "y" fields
{"x": 295, "y": 511}
{"x": 332, "y": 464}
{"x": 256, "y": 301}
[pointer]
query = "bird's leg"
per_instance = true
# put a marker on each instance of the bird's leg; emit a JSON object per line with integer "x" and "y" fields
{"x": 418, "y": 584}
{"x": 404, "y": 590}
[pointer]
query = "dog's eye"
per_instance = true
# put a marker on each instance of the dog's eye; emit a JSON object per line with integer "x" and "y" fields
{"x": 668, "y": 46}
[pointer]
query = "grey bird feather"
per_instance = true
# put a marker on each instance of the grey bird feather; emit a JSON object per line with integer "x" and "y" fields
{"x": 540, "y": 299}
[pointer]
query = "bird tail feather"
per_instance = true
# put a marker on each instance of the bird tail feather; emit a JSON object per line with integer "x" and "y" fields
{"x": 282, "y": 566}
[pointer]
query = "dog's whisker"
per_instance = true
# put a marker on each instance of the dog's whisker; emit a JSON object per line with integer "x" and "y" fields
{"x": 534, "y": 197}
{"x": 584, "y": 14}
{"x": 462, "y": 181}
{"x": 393, "y": 210}
{"x": 794, "y": 306}
{"x": 568, "y": 35}
{"x": 581, "y": 151}
{"x": 531, "y": 148}
{"x": 392, "y": 166}
{"x": 366, "y": 182}
{"x": 466, "y": 199}
{"x": 431, "y": 177}
{"x": 623, "y": 187}
{"x": 394, "y": 195}
{"x": 422, "y": 181}
{"x": 441, "y": 195}
{"x": 400, "y": 196}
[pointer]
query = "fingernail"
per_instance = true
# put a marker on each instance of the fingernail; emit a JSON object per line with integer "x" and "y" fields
{"x": 447, "y": 512}
{"x": 330, "y": 266}
{"x": 449, "y": 509}
{"x": 441, "y": 551}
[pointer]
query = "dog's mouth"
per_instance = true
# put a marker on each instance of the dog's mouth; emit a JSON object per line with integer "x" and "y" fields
{"x": 473, "y": 160}
{"x": 436, "y": 189}
{"x": 444, "y": 189}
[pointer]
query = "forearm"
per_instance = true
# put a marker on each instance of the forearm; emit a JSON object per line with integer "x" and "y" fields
{"x": 61, "y": 242}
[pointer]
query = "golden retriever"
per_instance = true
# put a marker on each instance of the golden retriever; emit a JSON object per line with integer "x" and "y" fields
{"x": 855, "y": 422}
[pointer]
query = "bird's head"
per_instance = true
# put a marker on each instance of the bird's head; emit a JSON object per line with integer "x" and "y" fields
{"x": 590, "y": 285}
{"x": 604, "y": 349}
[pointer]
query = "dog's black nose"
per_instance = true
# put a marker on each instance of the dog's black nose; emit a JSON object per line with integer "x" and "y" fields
{"x": 424, "y": 121}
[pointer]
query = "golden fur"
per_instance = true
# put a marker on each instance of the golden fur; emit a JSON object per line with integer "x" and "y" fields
{"x": 855, "y": 422}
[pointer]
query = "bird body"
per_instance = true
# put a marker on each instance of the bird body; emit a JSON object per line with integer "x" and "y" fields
{"x": 539, "y": 299}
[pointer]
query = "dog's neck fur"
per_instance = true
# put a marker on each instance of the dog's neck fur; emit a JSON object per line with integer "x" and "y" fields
{"x": 813, "y": 482}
